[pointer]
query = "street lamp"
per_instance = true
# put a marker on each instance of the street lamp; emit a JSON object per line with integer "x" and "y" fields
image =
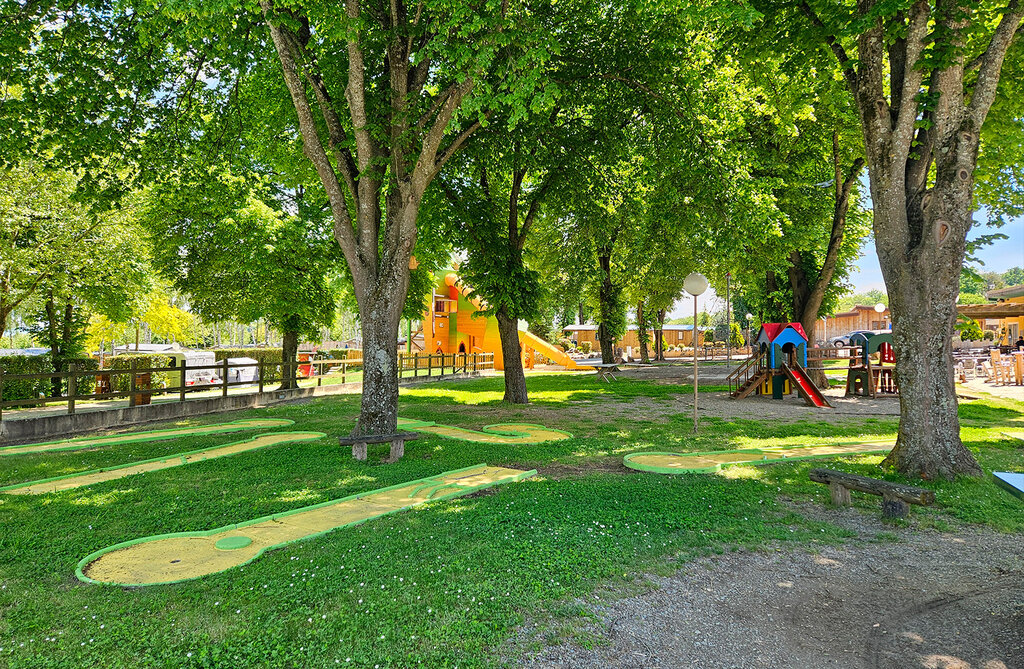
{"x": 879, "y": 308}
{"x": 750, "y": 321}
{"x": 695, "y": 284}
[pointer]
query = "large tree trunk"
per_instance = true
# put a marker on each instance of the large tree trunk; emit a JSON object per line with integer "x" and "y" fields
{"x": 923, "y": 285}
{"x": 641, "y": 332}
{"x": 289, "y": 356}
{"x": 51, "y": 333}
{"x": 607, "y": 296}
{"x": 659, "y": 335}
{"x": 515, "y": 376}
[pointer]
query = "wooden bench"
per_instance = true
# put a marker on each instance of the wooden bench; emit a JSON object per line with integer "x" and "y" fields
{"x": 359, "y": 444}
{"x": 896, "y": 497}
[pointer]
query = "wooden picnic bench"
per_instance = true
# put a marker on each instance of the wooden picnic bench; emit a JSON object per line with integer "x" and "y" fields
{"x": 896, "y": 497}
{"x": 397, "y": 440}
{"x": 605, "y": 371}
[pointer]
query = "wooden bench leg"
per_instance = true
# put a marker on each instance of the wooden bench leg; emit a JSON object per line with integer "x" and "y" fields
{"x": 840, "y": 494}
{"x": 894, "y": 507}
{"x": 397, "y": 450}
{"x": 359, "y": 451}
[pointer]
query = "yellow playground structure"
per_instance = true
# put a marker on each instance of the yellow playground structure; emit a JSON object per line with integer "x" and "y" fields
{"x": 453, "y": 324}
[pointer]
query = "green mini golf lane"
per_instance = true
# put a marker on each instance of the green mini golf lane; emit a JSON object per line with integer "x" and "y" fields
{"x": 499, "y": 433}
{"x": 170, "y": 558}
{"x": 712, "y": 461}
{"x": 70, "y": 481}
{"x": 151, "y": 435}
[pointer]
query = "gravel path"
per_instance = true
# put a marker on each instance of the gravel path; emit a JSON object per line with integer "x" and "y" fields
{"x": 893, "y": 598}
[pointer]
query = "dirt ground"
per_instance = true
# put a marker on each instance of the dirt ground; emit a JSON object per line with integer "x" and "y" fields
{"x": 892, "y": 598}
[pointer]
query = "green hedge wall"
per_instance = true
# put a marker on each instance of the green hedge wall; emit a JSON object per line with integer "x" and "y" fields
{"x": 123, "y": 382}
{"x": 24, "y": 389}
{"x": 261, "y": 354}
{"x": 25, "y": 364}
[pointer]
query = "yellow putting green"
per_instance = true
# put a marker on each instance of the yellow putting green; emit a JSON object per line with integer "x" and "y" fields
{"x": 151, "y": 435}
{"x": 712, "y": 461}
{"x": 170, "y": 558}
{"x": 109, "y": 474}
{"x": 499, "y": 433}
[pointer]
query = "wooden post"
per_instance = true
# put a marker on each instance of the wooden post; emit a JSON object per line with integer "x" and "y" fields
{"x": 181, "y": 390}
{"x": 840, "y": 494}
{"x": 259, "y": 367}
{"x": 131, "y": 381}
{"x": 72, "y": 387}
{"x": 344, "y": 368}
{"x": 224, "y": 392}
{"x": 475, "y": 361}
{"x": 1, "y": 394}
{"x": 359, "y": 450}
{"x": 430, "y": 365}
{"x": 397, "y": 450}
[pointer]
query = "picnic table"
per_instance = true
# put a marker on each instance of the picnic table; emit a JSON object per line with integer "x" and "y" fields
{"x": 605, "y": 371}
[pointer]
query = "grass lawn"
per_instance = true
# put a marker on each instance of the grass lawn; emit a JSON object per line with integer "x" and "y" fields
{"x": 444, "y": 584}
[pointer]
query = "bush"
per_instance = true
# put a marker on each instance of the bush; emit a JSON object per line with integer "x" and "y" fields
{"x": 989, "y": 335}
{"x": 586, "y": 347}
{"x": 344, "y": 353}
{"x": 122, "y": 382}
{"x": 565, "y": 343}
{"x": 25, "y": 389}
{"x": 86, "y": 383}
{"x": 269, "y": 355}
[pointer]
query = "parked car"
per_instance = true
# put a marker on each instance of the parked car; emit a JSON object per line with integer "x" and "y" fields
{"x": 844, "y": 339}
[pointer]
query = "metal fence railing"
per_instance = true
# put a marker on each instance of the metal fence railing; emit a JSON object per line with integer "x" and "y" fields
{"x": 141, "y": 387}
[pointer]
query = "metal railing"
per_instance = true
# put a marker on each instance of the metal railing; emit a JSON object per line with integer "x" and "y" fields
{"x": 141, "y": 382}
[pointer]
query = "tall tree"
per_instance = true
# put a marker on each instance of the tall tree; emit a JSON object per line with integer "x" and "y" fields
{"x": 924, "y": 77}
{"x": 227, "y": 243}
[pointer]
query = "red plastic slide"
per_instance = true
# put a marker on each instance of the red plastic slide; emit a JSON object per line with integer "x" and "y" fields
{"x": 807, "y": 390}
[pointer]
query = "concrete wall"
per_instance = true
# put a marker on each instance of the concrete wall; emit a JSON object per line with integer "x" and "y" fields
{"x": 48, "y": 428}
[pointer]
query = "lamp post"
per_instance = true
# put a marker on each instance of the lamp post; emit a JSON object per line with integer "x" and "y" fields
{"x": 695, "y": 284}
{"x": 879, "y": 308}
{"x": 728, "y": 319}
{"x": 750, "y": 319}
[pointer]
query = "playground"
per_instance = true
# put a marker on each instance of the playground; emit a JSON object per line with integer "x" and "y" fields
{"x": 295, "y": 552}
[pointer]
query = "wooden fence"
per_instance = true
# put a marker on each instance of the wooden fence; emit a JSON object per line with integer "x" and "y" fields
{"x": 141, "y": 390}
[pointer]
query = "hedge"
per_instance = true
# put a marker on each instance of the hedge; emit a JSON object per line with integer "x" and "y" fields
{"x": 123, "y": 382}
{"x": 268, "y": 355}
{"x": 343, "y": 353}
{"x": 24, "y": 389}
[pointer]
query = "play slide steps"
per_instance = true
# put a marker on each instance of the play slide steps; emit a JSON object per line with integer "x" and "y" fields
{"x": 170, "y": 558}
{"x": 80, "y": 479}
{"x": 499, "y": 433}
{"x": 713, "y": 461}
{"x": 150, "y": 435}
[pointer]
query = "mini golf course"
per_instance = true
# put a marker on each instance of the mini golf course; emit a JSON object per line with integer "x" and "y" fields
{"x": 170, "y": 558}
{"x": 499, "y": 433}
{"x": 713, "y": 461}
{"x": 59, "y": 483}
{"x": 151, "y": 435}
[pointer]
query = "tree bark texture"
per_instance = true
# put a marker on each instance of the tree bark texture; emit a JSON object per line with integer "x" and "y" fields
{"x": 608, "y": 294}
{"x": 289, "y": 354}
{"x": 922, "y": 180}
{"x": 515, "y": 375}
{"x": 641, "y": 332}
{"x": 659, "y": 335}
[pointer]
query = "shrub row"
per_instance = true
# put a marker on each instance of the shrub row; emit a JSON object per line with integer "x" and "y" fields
{"x": 24, "y": 389}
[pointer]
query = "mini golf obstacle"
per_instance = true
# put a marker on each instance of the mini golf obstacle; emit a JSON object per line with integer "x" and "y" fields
{"x": 170, "y": 558}
{"x": 70, "y": 481}
{"x": 713, "y": 461}
{"x": 151, "y": 435}
{"x": 1011, "y": 482}
{"x": 499, "y": 433}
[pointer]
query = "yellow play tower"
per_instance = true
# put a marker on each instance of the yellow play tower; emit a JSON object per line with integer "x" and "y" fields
{"x": 453, "y": 324}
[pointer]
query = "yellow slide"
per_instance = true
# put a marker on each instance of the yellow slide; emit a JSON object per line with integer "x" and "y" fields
{"x": 556, "y": 354}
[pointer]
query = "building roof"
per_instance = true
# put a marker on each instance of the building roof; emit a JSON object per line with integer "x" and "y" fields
{"x": 1006, "y": 293}
{"x": 997, "y": 310}
{"x": 857, "y": 309}
{"x": 773, "y": 330}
